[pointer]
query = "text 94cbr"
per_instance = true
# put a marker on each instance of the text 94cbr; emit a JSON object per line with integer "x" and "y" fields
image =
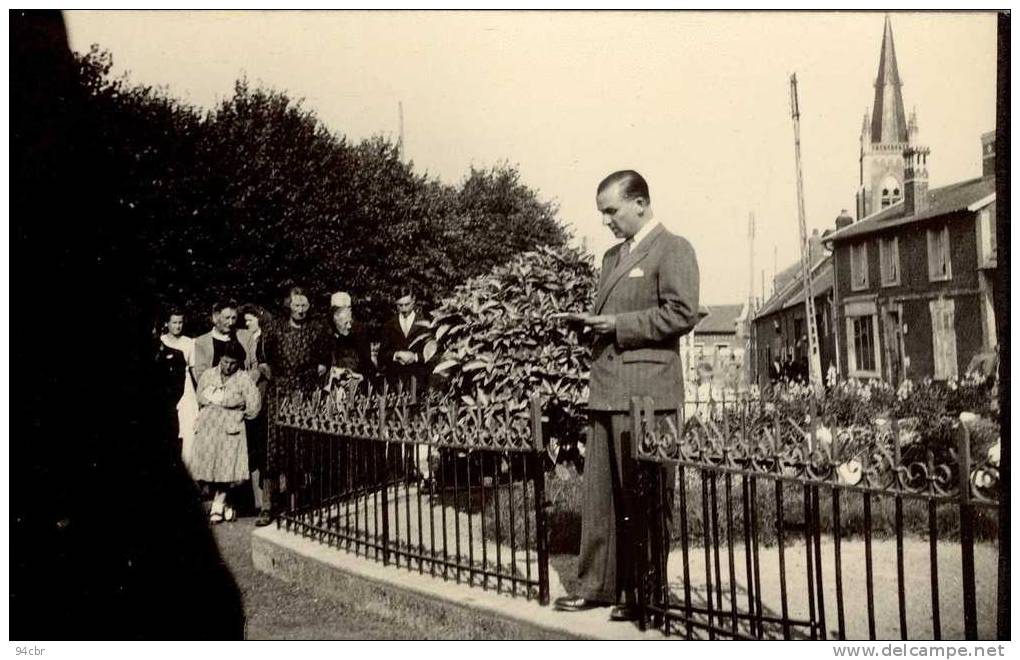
{"x": 28, "y": 650}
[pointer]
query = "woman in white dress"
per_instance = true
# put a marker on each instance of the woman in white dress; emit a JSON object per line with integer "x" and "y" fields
{"x": 187, "y": 407}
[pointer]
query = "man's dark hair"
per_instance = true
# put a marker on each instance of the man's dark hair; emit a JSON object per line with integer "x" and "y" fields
{"x": 633, "y": 185}
{"x": 221, "y": 305}
{"x": 405, "y": 292}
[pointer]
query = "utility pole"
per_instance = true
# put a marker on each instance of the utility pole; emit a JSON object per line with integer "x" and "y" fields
{"x": 750, "y": 260}
{"x": 775, "y": 266}
{"x": 750, "y": 352}
{"x": 400, "y": 138}
{"x": 814, "y": 358}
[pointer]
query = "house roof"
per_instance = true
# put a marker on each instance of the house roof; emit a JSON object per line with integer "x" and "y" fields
{"x": 793, "y": 293}
{"x": 941, "y": 201}
{"x": 818, "y": 253}
{"x": 821, "y": 282}
{"x": 721, "y": 319}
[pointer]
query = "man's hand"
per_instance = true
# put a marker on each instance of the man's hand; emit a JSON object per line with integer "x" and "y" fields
{"x": 603, "y": 325}
{"x": 405, "y": 357}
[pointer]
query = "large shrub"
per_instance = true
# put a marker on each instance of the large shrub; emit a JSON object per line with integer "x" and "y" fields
{"x": 493, "y": 338}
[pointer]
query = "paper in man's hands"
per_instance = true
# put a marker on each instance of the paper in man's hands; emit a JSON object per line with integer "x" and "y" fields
{"x": 570, "y": 317}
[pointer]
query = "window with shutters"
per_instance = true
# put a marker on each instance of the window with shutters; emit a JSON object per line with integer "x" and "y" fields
{"x": 986, "y": 239}
{"x": 889, "y": 260}
{"x": 939, "y": 264}
{"x": 943, "y": 337}
{"x": 859, "y": 266}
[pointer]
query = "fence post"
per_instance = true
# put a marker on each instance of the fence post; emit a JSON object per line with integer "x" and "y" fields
{"x": 541, "y": 520}
{"x": 966, "y": 534}
{"x": 385, "y": 474}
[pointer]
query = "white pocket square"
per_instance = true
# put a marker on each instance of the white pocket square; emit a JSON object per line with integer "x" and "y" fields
{"x": 637, "y": 272}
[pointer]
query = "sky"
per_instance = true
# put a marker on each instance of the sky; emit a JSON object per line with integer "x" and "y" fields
{"x": 698, "y": 102}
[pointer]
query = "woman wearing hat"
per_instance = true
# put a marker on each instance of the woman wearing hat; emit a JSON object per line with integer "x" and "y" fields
{"x": 349, "y": 353}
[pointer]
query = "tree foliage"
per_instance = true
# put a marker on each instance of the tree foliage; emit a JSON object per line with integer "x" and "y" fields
{"x": 258, "y": 194}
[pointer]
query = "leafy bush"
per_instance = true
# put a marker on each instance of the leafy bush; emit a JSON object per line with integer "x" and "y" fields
{"x": 494, "y": 340}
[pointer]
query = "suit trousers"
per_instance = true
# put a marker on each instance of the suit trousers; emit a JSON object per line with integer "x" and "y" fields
{"x": 605, "y": 565}
{"x": 598, "y": 566}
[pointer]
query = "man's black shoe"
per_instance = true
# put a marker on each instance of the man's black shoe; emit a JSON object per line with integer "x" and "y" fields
{"x": 576, "y": 604}
{"x": 624, "y": 613}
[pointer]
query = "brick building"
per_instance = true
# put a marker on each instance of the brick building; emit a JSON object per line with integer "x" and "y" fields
{"x": 907, "y": 290}
{"x": 914, "y": 282}
{"x": 780, "y": 331}
{"x": 715, "y": 349}
{"x": 914, "y": 275}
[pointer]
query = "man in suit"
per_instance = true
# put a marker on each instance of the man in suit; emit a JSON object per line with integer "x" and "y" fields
{"x": 401, "y": 363}
{"x": 647, "y": 299}
{"x": 210, "y": 346}
{"x": 405, "y": 366}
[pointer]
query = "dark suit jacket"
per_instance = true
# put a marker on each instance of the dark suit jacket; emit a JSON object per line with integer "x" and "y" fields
{"x": 653, "y": 293}
{"x": 393, "y": 340}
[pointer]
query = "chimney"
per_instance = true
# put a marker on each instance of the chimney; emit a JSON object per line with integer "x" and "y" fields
{"x": 843, "y": 220}
{"x": 988, "y": 154}
{"x": 814, "y": 247}
{"x": 915, "y": 188}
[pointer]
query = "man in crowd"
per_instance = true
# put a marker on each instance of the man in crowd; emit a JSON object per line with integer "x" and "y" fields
{"x": 293, "y": 353}
{"x": 647, "y": 299}
{"x": 401, "y": 363}
{"x": 404, "y": 366}
{"x": 210, "y": 346}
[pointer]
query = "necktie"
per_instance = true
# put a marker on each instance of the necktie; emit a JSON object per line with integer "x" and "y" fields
{"x": 625, "y": 250}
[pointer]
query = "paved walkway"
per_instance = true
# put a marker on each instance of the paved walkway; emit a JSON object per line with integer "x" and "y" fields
{"x": 412, "y": 523}
{"x": 855, "y": 602}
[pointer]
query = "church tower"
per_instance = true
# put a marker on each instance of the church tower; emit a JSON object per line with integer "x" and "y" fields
{"x": 884, "y": 136}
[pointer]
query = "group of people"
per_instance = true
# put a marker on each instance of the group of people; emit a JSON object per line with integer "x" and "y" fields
{"x": 220, "y": 390}
{"x": 647, "y": 298}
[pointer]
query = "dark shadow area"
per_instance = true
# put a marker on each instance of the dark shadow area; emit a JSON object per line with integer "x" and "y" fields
{"x": 108, "y": 537}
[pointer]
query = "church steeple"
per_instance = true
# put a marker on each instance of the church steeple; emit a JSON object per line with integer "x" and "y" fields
{"x": 888, "y": 120}
{"x": 884, "y": 136}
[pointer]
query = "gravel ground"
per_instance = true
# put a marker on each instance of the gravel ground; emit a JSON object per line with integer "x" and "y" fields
{"x": 280, "y": 610}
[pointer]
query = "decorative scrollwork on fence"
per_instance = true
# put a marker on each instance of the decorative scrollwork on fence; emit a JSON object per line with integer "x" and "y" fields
{"x": 751, "y": 437}
{"x": 398, "y": 417}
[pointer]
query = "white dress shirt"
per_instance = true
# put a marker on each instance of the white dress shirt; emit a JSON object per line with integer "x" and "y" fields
{"x": 406, "y": 322}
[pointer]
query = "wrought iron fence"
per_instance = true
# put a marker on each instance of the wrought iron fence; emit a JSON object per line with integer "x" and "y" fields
{"x": 438, "y": 488}
{"x": 772, "y": 518}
